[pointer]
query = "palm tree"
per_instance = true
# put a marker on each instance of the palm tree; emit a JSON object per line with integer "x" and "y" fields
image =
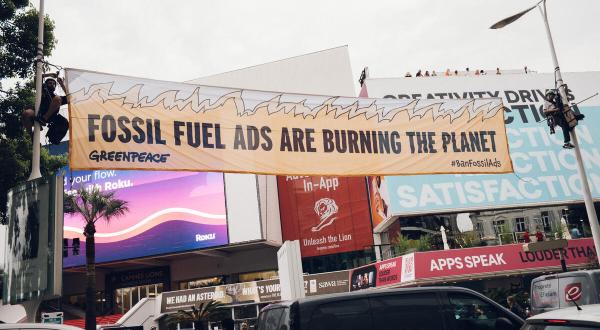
{"x": 199, "y": 316}
{"x": 93, "y": 205}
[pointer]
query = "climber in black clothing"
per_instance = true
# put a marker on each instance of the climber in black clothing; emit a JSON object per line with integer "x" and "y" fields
{"x": 554, "y": 112}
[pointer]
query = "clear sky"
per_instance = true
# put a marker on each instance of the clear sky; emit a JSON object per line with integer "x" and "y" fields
{"x": 183, "y": 40}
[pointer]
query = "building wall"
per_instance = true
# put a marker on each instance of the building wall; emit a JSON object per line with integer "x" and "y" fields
{"x": 74, "y": 283}
{"x": 240, "y": 262}
{"x": 326, "y": 72}
{"x": 533, "y": 221}
{"x": 201, "y": 265}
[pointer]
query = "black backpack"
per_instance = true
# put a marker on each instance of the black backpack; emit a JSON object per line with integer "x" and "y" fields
{"x": 57, "y": 129}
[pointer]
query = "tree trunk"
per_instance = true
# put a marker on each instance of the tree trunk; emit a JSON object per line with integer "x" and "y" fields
{"x": 90, "y": 273}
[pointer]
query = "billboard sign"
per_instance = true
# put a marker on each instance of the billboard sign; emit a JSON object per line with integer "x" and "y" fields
{"x": 545, "y": 173}
{"x": 32, "y": 259}
{"x": 120, "y": 122}
{"x": 379, "y": 274}
{"x": 325, "y": 283}
{"x": 468, "y": 263}
{"x": 326, "y": 214}
{"x": 252, "y": 292}
{"x": 378, "y": 199}
{"x": 498, "y": 260}
{"x": 168, "y": 212}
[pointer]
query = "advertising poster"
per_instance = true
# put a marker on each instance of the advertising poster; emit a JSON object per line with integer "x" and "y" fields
{"x": 119, "y": 122}
{"x": 378, "y": 199}
{"x": 379, "y": 274}
{"x": 252, "y": 292}
{"x": 326, "y": 214}
{"x": 498, "y": 259}
{"x": 545, "y": 173}
{"x": 168, "y": 212}
{"x": 238, "y": 293}
{"x": 325, "y": 283}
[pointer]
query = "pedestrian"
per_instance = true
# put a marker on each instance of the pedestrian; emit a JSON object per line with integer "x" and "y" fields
{"x": 456, "y": 72}
{"x": 482, "y": 72}
{"x": 575, "y": 233}
{"x": 526, "y": 237}
{"x": 514, "y": 307}
{"x": 476, "y": 72}
{"x": 498, "y": 71}
{"x": 539, "y": 236}
{"x": 419, "y": 74}
{"x": 526, "y": 71}
{"x": 426, "y": 73}
{"x": 433, "y": 74}
{"x": 467, "y": 72}
{"x": 447, "y": 73}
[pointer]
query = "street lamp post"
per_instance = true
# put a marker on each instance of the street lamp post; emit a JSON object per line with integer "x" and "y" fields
{"x": 35, "y": 140}
{"x": 587, "y": 195}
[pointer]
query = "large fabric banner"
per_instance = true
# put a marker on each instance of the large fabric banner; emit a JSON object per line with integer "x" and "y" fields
{"x": 132, "y": 123}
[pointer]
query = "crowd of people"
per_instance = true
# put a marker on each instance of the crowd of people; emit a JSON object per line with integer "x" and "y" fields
{"x": 448, "y": 73}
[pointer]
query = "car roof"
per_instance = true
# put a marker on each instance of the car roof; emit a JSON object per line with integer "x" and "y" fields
{"x": 48, "y": 326}
{"x": 366, "y": 293}
{"x": 589, "y": 313}
{"x": 567, "y": 274}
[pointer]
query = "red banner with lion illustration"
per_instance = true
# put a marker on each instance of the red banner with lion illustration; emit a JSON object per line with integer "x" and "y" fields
{"x": 326, "y": 214}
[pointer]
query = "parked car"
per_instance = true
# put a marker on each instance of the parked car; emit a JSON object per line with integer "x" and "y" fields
{"x": 551, "y": 292}
{"x": 571, "y": 318}
{"x": 424, "y": 308}
{"x": 36, "y": 326}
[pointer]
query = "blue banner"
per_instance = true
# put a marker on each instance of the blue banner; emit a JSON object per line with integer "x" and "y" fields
{"x": 545, "y": 173}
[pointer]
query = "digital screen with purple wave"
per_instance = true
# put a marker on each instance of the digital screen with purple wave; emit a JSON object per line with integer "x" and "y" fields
{"x": 169, "y": 212}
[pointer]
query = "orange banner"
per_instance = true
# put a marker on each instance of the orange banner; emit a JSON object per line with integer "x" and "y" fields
{"x": 132, "y": 123}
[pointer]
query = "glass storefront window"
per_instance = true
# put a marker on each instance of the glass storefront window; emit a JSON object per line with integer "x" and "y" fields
{"x": 201, "y": 283}
{"x": 126, "y": 298}
{"x": 245, "y": 312}
{"x": 339, "y": 261}
{"x": 258, "y": 276}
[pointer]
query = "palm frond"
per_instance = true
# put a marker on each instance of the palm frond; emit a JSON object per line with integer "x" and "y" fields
{"x": 93, "y": 204}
